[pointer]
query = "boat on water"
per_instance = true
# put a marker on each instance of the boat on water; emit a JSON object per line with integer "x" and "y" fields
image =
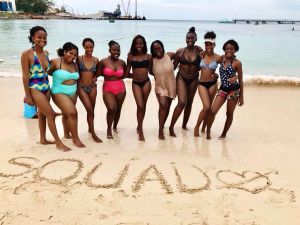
{"x": 111, "y": 20}
{"x": 226, "y": 21}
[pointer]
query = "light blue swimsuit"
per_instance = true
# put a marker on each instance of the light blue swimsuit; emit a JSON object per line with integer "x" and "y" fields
{"x": 60, "y": 76}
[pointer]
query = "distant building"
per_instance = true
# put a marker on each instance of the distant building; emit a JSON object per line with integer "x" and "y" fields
{"x": 8, "y": 6}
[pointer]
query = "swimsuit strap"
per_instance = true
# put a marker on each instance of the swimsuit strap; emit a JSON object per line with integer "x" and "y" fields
{"x": 60, "y": 63}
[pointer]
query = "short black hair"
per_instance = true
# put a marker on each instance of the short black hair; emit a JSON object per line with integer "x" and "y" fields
{"x": 232, "y": 42}
{"x": 87, "y": 40}
{"x": 210, "y": 35}
{"x": 133, "y": 51}
{"x": 33, "y": 30}
{"x": 152, "y": 47}
{"x": 68, "y": 46}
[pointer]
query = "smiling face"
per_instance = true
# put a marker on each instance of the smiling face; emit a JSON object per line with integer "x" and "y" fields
{"x": 71, "y": 55}
{"x": 88, "y": 47}
{"x": 40, "y": 38}
{"x": 191, "y": 39}
{"x": 209, "y": 47}
{"x": 115, "y": 52}
{"x": 139, "y": 45}
{"x": 158, "y": 50}
{"x": 229, "y": 51}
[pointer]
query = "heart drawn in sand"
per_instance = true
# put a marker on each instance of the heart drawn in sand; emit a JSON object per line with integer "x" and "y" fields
{"x": 250, "y": 181}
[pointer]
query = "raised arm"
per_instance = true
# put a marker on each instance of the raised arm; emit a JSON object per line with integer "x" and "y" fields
{"x": 171, "y": 55}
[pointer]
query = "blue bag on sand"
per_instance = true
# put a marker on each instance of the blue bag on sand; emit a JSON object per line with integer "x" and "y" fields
{"x": 29, "y": 111}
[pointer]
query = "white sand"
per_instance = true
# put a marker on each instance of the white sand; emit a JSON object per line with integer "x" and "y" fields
{"x": 251, "y": 178}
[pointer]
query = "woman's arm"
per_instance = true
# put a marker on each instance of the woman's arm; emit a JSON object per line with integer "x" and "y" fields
{"x": 128, "y": 67}
{"x": 176, "y": 58}
{"x": 171, "y": 55}
{"x": 150, "y": 58}
{"x": 52, "y": 68}
{"x": 99, "y": 71}
{"x": 240, "y": 78}
{"x": 25, "y": 64}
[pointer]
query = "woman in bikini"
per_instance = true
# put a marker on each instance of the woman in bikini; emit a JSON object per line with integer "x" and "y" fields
{"x": 65, "y": 75}
{"x": 207, "y": 85}
{"x": 35, "y": 65}
{"x": 140, "y": 62}
{"x": 165, "y": 82}
{"x": 112, "y": 68}
{"x": 231, "y": 89}
{"x": 188, "y": 59}
{"x": 87, "y": 90}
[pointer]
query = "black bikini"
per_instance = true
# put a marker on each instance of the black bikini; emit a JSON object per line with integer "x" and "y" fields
{"x": 207, "y": 84}
{"x": 184, "y": 61}
{"x": 140, "y": 64}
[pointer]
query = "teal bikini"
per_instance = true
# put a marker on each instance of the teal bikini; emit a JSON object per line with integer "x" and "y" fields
{"x": 60, "y": 76}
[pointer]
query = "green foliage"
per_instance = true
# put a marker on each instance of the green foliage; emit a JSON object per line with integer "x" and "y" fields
{"x": 34, "y": 6}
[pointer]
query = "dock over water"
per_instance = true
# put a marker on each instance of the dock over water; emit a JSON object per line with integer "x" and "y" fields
{"x": 265, "y": 21}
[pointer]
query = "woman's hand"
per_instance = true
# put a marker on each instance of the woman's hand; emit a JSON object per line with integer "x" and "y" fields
{"x": 232, "y": 79}
{"x": 29, "y": 100}
{"x": 241, "y": 101}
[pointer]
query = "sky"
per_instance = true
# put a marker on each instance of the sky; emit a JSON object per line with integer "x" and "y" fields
{"x": 194, "y": 9}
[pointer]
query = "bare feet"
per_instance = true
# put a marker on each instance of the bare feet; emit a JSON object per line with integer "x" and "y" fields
{"x": 115, "y": 129}
{"x": 46, "y": 142}
{"x": 78, "y": 143}
{"x": 184, "y": 127}
{"x": 208, "y": 134}
{"x": 196, "y": 131}
{"x": 172, "y": 133}
{"x": 109, "y": 134}
{"x": 161, "y": 135}
{"x": 141, "y": 135}
{"x": 223, "y": 136}
{"x": 60, "y": 146}
{"x": 95, "y": 138}
{"x": 68, "y": 136}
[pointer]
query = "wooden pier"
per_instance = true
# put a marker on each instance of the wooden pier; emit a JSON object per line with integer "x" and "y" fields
{"x": 265, "y": 21}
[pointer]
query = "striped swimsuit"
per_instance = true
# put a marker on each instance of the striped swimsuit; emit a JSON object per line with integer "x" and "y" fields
{"x": 38, "y": 78}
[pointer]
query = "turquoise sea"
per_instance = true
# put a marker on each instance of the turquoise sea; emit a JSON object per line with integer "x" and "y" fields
{"x": 265, "y": 49}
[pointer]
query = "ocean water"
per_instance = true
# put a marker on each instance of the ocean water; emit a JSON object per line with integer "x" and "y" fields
{"x": 270, "y": 50}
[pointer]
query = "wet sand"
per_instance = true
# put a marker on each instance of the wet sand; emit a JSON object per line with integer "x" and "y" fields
{"x": 250, "y": 178}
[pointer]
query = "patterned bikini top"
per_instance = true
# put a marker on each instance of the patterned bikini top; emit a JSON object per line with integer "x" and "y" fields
{"x": 212, "y": 65}
{"x": 36, "y": 70}
{"x": 82, "y": 67}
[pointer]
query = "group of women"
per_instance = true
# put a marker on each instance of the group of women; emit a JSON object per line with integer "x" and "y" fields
{"x": 75, "y": 75}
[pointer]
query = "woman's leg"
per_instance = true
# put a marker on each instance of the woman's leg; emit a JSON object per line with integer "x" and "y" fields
{"x": 88, "y": 101}
{"x": 162, "y": 114}
{"x": 191, "y": 91}
{"x": 46, "y": 111}
{"x": 205, "y": 98}
{"x": 219, "y": 101}
{"x": 141, "y": 97}
{"x": 67, "y": 106}
{"x": 182, "y": 95}
{"x": 110, "y": 102}
{"x": 231, "y": 104}
{"x": 120, "y": 100}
